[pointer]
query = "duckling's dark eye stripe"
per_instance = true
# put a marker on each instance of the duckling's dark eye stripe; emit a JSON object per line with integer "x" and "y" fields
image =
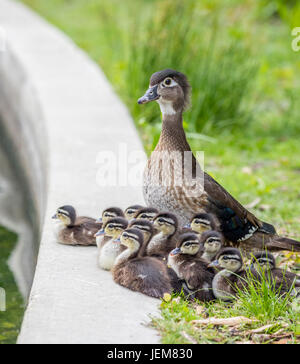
{"x": 109, "y": 215}
{"x": 114, "y": 226}
{"x": 204, "y": 222}
{"x": 166, "y": 221}
{"x": 191, "y": 243}
{"x": 213, "y": 240}
{"x": 132, "y": 236}
{"x": 63, "y": 212}
{"x": 145, "y": 216}
{"x": 264, "y": 260}
{"x": 144, "y": 228}
{"x": 233, "y": 257}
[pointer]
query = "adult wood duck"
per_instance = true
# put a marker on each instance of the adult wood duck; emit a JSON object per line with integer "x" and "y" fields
{"x": 72, "y": 230}
{"x": 165, "y": 185}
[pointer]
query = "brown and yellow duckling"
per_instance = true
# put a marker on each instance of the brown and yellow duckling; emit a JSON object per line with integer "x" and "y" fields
{"x": 202, "y": 222}
{"x": 146, "y": 227}
{"x": 109, "y": 247}
{"x": 212, "y": 242}
{"x": 146, "y": 213}
{"x": 231, "y": 275}
{"x": 184, "y": 260}
{"x": 147, "y": 275}
{"x": 72, "y": 230}
{"x": 264, "y": 264}
{"x": 163, "y": 241}
{"x": 110, "y": 213}
{"x": 131, "y": 211}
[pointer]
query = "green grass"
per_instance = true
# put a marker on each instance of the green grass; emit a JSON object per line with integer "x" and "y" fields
{"x": 10, "y": 320}
{"x": 276, "y": 315}
{"x": 246, "y": 94}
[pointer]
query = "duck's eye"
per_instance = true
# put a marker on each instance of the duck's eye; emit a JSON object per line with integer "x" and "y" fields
{"x": 168, "y": 81}
{"x": 160, "y": 220}
{"x": 110, "y": 226}
{"x": 143, "y": 216}
{"x": 130, "y": 212}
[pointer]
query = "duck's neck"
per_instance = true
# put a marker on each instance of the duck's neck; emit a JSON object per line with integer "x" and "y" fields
{"x": 172, "y": 135}
{"x": 126, "y": 255}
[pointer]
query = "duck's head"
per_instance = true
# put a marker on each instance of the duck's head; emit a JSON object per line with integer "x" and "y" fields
{"x": 66, "y": 215}
{"x": 113, "y": 227}
{"x": 263, "y": 260}
{"x": 201, "y": 222}
{"x": 131, "y": 211}
{"x": 170, "y": 89}
{"x": 166, "y": 223}
{"x": 146, "y": 213}
{"x": 132, "y": 238}
{"x": 188, "y": 244}
{"x": 229, "y": 259}
{"x": 145, "y": 226}
{"x": 110, "y": 213}
{"x": 212, "y": 241}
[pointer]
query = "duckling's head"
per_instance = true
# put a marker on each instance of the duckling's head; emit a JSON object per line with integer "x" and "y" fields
{"x": 146, "y": 213}
{"x": 113, "y": 227}
{"x": 212, "y": 241}
{"x": 145, "y": 226}
{"x": 66, "y": 215}
{"x": 166, "y": 223}
{"x": 188, "y": 244}
{"x": 132, "y": 238}
{"x": 170, "y": 89}
{"x": 229, "y": 259}
{"x": 201, "y": 223}
{"x": 110, "y": 213}
{"x": 131, "y": 211}
{"x": 263, "y": 260}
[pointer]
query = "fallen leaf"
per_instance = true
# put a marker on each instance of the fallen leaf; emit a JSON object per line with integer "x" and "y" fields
{"x": 261, "y": 329}
{"x": 231, "y": 321}
{"x": 200, "y": 310}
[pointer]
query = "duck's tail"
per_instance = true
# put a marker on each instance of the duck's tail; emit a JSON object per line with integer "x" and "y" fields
{"x": 281, "y": 243}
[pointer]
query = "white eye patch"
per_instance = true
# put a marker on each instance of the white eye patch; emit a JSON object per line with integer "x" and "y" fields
{"x": 168, "y": 82}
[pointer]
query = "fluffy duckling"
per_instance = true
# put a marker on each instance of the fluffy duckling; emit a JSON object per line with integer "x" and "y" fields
{"x": 229, "y": 262}
{"x": 110, "y": 213}
{"x": 212, "y": 242}
{"x": 146, "y": 213}
{"x": 264, "y": 263}
{"x": 163, "y": 241}
{"x": 131, "y": 211}
{"x": 72, "y": 230}
{"x": 146, "y": 227}
{"x": 147, "y": 275}
{"x": 202, "y": 222}
{"x": 189, "y": 267}
{"x": 109, "y": 247}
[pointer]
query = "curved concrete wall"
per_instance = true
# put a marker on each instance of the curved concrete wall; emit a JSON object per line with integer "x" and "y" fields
{"x": 67, "y": 114}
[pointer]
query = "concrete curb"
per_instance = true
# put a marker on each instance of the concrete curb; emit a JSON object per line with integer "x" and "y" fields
{"x": 74, "y": 114}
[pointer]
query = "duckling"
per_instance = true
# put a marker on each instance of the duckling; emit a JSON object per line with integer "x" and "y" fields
{"x": 72, "y": 230}
{"x": 202, "y": 222}
{"x": 147, "y": 213}
{"x": 109, "y": 248}
{"x": 263, "y": 263}
{"x": 190, "y": 268}
{"x": 131, "y": 211}
{"x": 110, "y": 213}
{"x": 212, "y": 243}
{"x": 146, "y": 227}
{"x": 162, "y": 187}
{"x": 230, "y": 275}
{"x": 147, "y": 275}
{"x": 163, "y": 241}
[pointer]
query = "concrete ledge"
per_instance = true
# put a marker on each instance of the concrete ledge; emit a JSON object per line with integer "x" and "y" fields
{"x": 65, "y": 113}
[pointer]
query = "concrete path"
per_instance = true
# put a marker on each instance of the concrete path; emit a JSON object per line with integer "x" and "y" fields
{"x": 75, "y": 116}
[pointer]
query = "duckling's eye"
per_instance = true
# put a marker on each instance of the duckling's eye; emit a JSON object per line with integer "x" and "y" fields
{"x": 196, "y": 222}
{"x": 143, "y": 216}
{"x": 168, "y": 81}
{"x": 110, "y": 226}
{"x": 130, "y": 212}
